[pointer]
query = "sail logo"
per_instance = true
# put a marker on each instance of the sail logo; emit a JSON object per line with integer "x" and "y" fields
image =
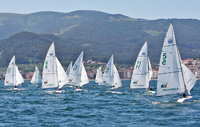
{"x": 164, "y": 58}
{"x": 138, "y": 64}
{"x": 75, "y": 67}
{"x": 143, "y": 53}
{"x": 7, "y": 81}
{"x": 70, "y": 80}
{"x": 9, "y": 69}
{"x": 135, "y": 82}
{"x": 104, "y": 81}
{"x": 12, "y": 63}
{"x": 164, "y": 85}
{"x": 51, "y": 54}
{"x": 170, "y": 41}
{"x": 46, "y": 64}
{"x": 46, "y": 82}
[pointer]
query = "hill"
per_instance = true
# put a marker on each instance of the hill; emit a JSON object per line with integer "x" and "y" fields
{"x": 100, "y": 34}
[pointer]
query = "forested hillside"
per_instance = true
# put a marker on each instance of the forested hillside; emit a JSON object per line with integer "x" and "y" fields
{"x": 98, "y": 34}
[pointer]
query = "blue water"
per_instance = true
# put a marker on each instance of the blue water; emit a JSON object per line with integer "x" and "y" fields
{"x": 95, "y": 106}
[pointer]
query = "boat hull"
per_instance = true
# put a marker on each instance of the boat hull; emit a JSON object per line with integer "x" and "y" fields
{"x": 185, "y": 99}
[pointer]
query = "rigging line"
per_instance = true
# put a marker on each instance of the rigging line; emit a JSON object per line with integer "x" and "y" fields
{"x": 169, "y": 45}
{"x": 169, "y": 72}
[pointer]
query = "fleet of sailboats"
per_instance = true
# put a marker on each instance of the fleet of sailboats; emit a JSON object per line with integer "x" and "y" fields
{"x": 13, "y": 76}
{"x": 173, "y": 76}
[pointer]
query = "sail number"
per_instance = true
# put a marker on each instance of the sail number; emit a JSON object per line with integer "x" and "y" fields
{"x": 164, "y": 58}
{"x": 46, "y": 64}
{"x": 75, "y": 66}
{"x": 138, "y": 64}
{"x": 106, "y": 70}
{"x": 9, "y": 69}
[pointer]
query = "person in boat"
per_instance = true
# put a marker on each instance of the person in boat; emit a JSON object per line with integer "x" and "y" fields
{"x": 184, "y": 95}
{"x": 150, "y": 89}
{"x": 16, "y": 87}
{"x": 59, "y": 89}
{"x": 79, "y": 87}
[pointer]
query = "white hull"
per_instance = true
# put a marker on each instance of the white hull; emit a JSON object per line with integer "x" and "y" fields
{"x": 150, "y": 92}
{"x": 59, "y": 91}
{"x": 185, "y": 99}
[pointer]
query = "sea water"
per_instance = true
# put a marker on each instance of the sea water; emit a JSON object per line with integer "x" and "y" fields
{"x": 95, "y": 105}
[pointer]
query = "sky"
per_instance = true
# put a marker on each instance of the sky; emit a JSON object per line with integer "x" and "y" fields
{"x": 145, "y": 9}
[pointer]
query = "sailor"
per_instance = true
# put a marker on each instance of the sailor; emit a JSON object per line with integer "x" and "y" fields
{"x": 59, "y": 89}
{"x": 150, "y": 89}
{"x": 184, "y": 95}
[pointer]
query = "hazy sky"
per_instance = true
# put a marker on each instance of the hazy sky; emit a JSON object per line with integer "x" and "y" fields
{"x": 147, "y": 9}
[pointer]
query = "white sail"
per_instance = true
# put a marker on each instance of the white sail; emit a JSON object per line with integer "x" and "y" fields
{"x": 150, "y": 70}
{"x": 117, "y": 80}
{"x": 69, "y": 69}
{"x": 36, "y": 79}
{"x": 189, "y": 77}
{"x": 170, "y": 79}
{"x": 75, "y": 74}
{"x": 49, "y": 78}
{"x": 19, "y": 79}
{"x": 108, "y": 76}
{"x": 62, "y": 76}
{"x": 84, "y": 77}
{"x": 140, "y": 76}
{"x": 10, "y": 74}
{"x": 99, "y": 76}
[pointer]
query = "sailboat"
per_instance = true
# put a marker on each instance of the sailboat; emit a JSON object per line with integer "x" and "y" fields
{"x": 142, "y": 71}
{"x": 99, "y": 76}
{"x": 111, "y": 75}
{"x": 173, "y": 76}
{"x": 78, "y": 75}
{"x": 13, "y": 76}
{"x": 54, "y": 75}
{"x": 36, "y": 79}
